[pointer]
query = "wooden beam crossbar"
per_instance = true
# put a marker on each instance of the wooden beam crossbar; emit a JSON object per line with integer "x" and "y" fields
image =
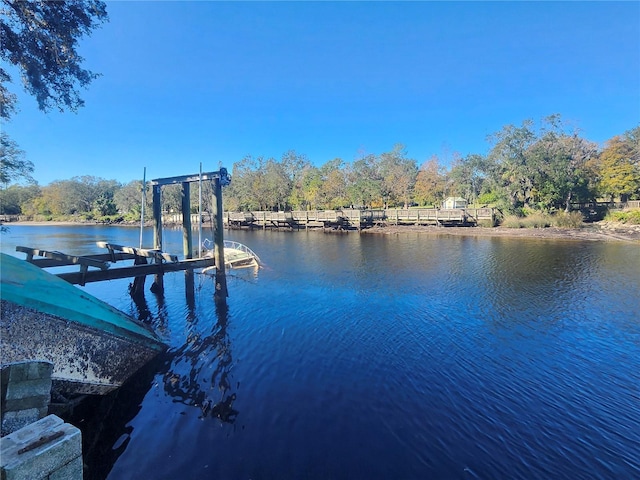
{"x": 185, "y": 179}
{"x": 157, "y": 255}
{"x": 102, "y": 257}
{"x": 136, "y": 271}
{"x": 62, "y": 259}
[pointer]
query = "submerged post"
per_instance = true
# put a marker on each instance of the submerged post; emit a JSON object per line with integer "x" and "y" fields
{"x": 187, "y": 243}
{"x": 221, "y": 292}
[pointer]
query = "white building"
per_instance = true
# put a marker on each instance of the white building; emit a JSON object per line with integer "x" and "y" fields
{"x": 454, "y": 202}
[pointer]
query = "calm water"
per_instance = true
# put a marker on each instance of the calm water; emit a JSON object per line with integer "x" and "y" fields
{"x": 378, "y": 357}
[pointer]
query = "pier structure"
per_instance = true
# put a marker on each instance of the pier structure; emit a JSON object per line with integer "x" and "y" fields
{"x": 151, "y": 261}
{"x": 357, "y": 219}
{"x": 219, "y": 179}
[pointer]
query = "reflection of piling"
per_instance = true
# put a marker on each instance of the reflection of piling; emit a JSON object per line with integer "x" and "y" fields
{"x": 190, "y": 290}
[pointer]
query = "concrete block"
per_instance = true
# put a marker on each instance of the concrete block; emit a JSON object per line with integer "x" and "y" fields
{"x": 26, "y": 393}
{"x": 15, "y": 420}
{"x": 31, "y": 370}
{"x": 28, "y": 388}
{"x": 70, "y": 471}
{"x": 37, "y": 370}
{"x": 40, "y": 449}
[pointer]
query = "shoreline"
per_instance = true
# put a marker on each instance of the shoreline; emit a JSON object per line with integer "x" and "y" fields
{"x": 594, "y": 233}
{"x": 601, "y": 231}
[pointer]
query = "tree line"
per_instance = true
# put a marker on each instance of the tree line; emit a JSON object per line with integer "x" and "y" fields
{"x": 530, "y": 167}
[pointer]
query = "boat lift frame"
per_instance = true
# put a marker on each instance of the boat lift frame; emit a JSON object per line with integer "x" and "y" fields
{"x": 219, "y": 179}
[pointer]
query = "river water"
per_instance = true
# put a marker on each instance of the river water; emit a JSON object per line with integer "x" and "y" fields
{"x": 363, "y": 356}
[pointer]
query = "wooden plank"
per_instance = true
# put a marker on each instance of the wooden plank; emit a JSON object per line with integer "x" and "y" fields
{"x": 62, "y": 257}
{"x": 135, "y": 271}
{"x": 185, "y": 178}
{"x": 140, "y": 252}
{"x": 103, "y": 257}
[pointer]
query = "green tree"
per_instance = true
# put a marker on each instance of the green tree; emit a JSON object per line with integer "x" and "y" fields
{"x": 13, "y": 165}
{"x": 246, "y": 189}
{"x": 276, "y": 185}
{"x": 430, "y": 182}
{"x": 54, "y": 199}
{"x": 128, "y": 200}
{"x": 311, "y": 184}
{"x": 467, "y": 177}
{"x": 509, "y": 164}
{"x": 85, "y": 195}
{"x": 620, "y": 168}
{"x": 333, "y": 187}
{"x": 563, "y": 173}
{"x": 295, "y": 165}
{"x": 398, "y": 174}
{"x": 364, "y": 182}
{"x": 40, "y": 39}
{"x": 16, "y": 199}
{"x": 171, "y": 198}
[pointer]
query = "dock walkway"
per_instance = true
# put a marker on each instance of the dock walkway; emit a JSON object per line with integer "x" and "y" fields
{"x": 358, "y": 219}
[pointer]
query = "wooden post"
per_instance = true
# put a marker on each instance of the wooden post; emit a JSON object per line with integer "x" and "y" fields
{"x": 158, "y": 283}
{"x": 157, "y": 218}
{"x": 187, "y": 243}
{"x": 221, "y": 293}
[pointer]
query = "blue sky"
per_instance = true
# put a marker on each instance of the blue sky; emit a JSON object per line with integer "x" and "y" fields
{"x": 212, "y": 82}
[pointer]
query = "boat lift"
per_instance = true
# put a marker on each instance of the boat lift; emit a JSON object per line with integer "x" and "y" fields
{"x": 219, "y": 178}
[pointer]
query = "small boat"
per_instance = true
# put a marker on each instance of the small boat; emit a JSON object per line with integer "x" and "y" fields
{"x": 93, "y": 346}
{"x": 236, "y": 254}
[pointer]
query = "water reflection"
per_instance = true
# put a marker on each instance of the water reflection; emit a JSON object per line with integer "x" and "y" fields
{"x": 195, "y": 374}
{"x": 186, "y": 376}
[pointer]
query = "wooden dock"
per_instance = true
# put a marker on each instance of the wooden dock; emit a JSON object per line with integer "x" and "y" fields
{"x": 161, "y": 263}
{"x": 350, "y": 219}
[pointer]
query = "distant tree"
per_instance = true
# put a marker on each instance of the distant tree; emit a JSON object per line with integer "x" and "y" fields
{"x": 311, "y": 183}
{"x": 296, "y": 167}
{"x": 54, "y": 199}
{"x": 430, "y": 182}
{"x": 128, "y": 199}
{"x": 298, "y": 197}
{"x": 13, "y": 165}
{"x": 277, "y": 185}
{"x": 619, "y": 167}
{"x": 467, "y": 177}
{"x": 171, "y": 198}
{"x": 332, "y": 187}
{"x": 398, "y": 174}
{"x": 40, "y": 38}
{"x": 364, "y": 182}
{"x": 16, "y": 199}
{"x": 562, "y": 161}
{"x": 80, "y": 195}
{"x": 509, "y": 163}
{"x": 242, "y": 192}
